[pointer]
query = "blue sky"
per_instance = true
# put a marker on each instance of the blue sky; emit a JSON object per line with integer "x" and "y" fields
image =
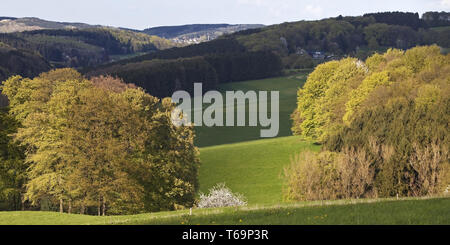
{"x": 140, "y": 14}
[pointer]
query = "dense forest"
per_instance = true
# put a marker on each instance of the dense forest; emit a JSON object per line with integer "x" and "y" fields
{"x": 161, "y": 77}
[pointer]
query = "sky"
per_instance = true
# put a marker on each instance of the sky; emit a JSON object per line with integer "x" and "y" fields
{"x": 140, "y": 14}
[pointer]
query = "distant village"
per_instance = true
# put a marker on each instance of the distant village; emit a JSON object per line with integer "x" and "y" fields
{"x": 195, "y": 38}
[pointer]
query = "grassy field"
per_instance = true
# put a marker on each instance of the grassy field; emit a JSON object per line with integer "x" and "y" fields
{"x": 382, "y": 211}
{"x": 251, "y": 168}
{"x": 287, "y": 86}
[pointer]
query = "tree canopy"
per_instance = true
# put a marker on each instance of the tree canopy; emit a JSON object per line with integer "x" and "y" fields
{"x": 390, "y": 114}
{"x": 101, "y": 143}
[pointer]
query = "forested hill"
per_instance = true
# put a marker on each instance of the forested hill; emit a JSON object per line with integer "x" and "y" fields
{"x": 29, "y": 53}
{"x": 264, "y": 52}
{"x": 356, "y": 36}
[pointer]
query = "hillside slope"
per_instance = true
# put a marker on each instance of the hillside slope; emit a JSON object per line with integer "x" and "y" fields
{"x": 75, "y": 47}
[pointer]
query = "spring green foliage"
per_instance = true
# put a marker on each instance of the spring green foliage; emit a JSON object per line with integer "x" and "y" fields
{"x": 358, "y": 95}
{"x": 392, "y": 116}
{"x": 324, "y": 95}
{"x": 101, "y": 143}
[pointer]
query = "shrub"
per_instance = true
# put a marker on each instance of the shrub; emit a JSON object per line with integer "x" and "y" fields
{"x": 329, "y": 175}
{"x": 309, "y": 177}
{"x": 430, "y": 166}
{"x": 221, "y": 196}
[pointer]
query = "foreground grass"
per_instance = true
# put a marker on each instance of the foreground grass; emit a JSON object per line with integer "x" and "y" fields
{"x": 382, "y": 211}
{"x": 287, "y": 87}
{"x": 251, "y": 168}
{"x": 406, "y": 212}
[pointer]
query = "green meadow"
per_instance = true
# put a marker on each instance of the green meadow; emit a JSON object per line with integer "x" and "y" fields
{"x": 251, "y": 168}
{"x": 238, "y": 157}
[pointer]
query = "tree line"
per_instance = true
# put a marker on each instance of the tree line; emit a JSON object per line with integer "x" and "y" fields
{"x": 161, "y": 77}
{"x": 358, "y": 36}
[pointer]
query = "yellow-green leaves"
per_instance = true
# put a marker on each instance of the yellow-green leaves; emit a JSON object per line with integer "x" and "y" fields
{"x": 335, "y": 92}
{"x": 358, "y": 95}
{"x": 102, "y": 143}
{"x": 322, "y": 99}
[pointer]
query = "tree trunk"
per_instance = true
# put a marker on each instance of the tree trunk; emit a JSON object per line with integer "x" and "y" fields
{"x": 61, "y": 205}
{"x": 99, "y": 207}
{"x": 104, "y": 206}
{"x": 82, "y": 208}
{"x": 70, "y": 206}
{"x": 22, "y": 201}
